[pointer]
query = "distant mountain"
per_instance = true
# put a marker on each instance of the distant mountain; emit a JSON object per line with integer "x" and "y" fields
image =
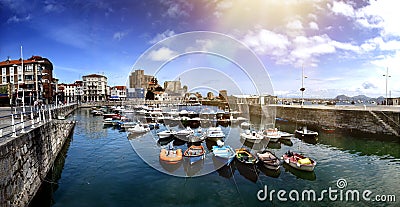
{"x": 359, "y": 98}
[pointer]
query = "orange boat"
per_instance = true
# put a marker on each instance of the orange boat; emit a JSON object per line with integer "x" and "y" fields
{"x": 171, "y": 156}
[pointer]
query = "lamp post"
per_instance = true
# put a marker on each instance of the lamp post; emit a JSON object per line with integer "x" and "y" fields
{"x": 302, "y": 89}
{"x": 387, "y": 76}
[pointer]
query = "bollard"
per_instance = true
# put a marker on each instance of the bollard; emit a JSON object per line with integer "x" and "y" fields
{"x": 44, "y": 117}
{"x": 33, "y": 120}
{"x": 50, "y": 114}
{"x": 1, "y": 133}
{"x": 22, "y": 123}
{"x": 38, "y": 119}
{"x": 14, "y": 134}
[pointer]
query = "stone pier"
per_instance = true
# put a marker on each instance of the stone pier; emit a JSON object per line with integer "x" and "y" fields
{"x": 25, "y": 160}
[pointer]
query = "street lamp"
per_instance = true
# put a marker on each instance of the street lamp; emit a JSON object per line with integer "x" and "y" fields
{"x": 387, "y": 76}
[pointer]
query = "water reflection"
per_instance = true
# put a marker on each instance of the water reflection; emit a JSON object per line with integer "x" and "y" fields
{"x": 248, "y": 171}
{"x": 299, "y": 173}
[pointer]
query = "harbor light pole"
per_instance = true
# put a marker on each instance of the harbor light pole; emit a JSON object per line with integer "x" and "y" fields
{"x": 387, "y": 76}
{"x": 302, "y": 89}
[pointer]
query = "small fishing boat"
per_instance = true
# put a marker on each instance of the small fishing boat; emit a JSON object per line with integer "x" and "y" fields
{"x": 304, "y": 132}
{"x": 299, "y": 162}
{"x": 272, "y": 134}
{"x": 252, "y": 136}
{"x": 224, "y": 152}
{"x": 269, "y": 160}
{"x": 215, "y": 133}
{"x": 166, "y": 134}
{"x": 194, "y": 153}
{"x": 243, "y": 155}
{"x": 171, "y": 155}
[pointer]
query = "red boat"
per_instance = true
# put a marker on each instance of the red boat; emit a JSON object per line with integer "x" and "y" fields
{"x": 299, "y": 161}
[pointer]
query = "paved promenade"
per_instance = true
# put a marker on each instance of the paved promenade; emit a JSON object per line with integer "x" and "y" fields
{"x": 348, "y": 107}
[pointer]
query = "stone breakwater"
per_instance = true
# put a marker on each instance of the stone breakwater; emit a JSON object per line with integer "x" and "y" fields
{"x": 25, "y": 160}
{"x": 371, "y": 120}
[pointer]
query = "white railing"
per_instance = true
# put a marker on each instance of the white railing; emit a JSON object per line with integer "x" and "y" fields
{"x": 19, "y": 120}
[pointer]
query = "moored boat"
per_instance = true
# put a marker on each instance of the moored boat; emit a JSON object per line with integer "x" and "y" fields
{"x": 299, "y": 161}
{"x": 224, "y": 152}
{"x": 243, "y": 155}
{"x": 304, "y": 132}
{"x": 269, "y": 160}
{"x": 272, "y": 134}
{"x": 215, "y": 133}
{"x": 166, "y": 134}
{"x": 252, "y": 136}
{"x": 139, "y": 128}
{"x": 194, "y": 153}
{"x": 171, "y": 155}
{"x": 108, "y": 122}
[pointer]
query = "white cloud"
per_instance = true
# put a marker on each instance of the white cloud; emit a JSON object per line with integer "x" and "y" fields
{"x": 381, "y": 14}
{"x": 267, "y": 42}
{"x": 119, "y": 35}
{"x": 313, "y": 26}
{"x": 160, "y": 36}
{"x": 342, "y": 8}
{"x": 15, "y": 19}
{"x": 162, "y": 54}
{"x": 177, "y": 9}
{"x": 295, "y": 25}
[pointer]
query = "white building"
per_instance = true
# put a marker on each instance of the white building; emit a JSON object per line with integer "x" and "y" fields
{"x": 94, "y": 87}
{"x": 118, "y": 93}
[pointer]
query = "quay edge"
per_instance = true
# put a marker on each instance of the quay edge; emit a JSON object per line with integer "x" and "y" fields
{"x": 26, "y": 159}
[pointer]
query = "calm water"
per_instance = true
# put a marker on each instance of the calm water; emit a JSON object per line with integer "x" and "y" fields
{"x": 102, "y": 167}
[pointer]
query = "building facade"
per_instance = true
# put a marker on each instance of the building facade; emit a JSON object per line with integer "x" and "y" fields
{"x": 138, "y": 79}
{"x": 94, "y": 88}
{"x": 28, "y": 80}
{"x": 118, "y": 93}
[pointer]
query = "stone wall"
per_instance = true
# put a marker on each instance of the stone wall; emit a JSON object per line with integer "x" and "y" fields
{"x": 26, "y": 160}
{"x": 348, "y": 120}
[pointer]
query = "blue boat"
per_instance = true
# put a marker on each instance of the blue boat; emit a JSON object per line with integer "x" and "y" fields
{"x": 224, "y": 152}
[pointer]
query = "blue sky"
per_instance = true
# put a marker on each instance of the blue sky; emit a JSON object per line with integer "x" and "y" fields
{"x": 344, "y": 47}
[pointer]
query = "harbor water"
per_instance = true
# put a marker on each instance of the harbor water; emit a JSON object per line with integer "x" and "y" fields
{"x": 102, "y": 166}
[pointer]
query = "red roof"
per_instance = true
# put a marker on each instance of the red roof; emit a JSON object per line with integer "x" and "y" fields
{"x": 121, "y": 88}
{"x": 18, "y": 62}
{"x": 94, "y": 75}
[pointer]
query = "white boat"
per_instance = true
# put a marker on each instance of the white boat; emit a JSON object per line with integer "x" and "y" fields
{"x": 128, "y": 124}
{"x": 285, "y": 135}
{"x": 184, "y": 133}
{"x": 215, "y": 133}
{"x": 272, "y": 134}
{"x": 252, "y": 136}
{"x": 245, "y": 125}
{"x": 139, "y": 128}
{"x": 166, "y": 134}
{"x": 304, "y": 132}
{"x": 108, "y": 121}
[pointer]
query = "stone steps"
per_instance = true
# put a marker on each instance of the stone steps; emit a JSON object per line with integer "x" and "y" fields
{"x": 387, "y": 126}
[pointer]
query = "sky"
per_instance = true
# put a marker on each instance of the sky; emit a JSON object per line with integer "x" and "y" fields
{"x": 245, "y": 47}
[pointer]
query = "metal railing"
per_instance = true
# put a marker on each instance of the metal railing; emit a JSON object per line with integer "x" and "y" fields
{"x": 20, "y": 120}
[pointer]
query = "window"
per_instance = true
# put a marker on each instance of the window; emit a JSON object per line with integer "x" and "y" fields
{"x": 19, "y": 78}
{"x": 3, "y": 71}
{"x": 11, "y": 71}
{"x": 29, "y": 68}
{"x": 19, "y": 69}
{"x": 4, "y": 80}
